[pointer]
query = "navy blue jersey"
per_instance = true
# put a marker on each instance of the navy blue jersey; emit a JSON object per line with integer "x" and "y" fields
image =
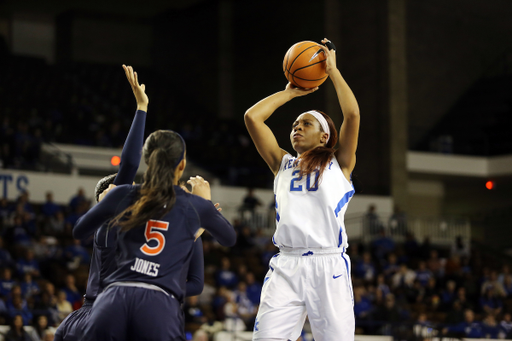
{"x": 160, "y": 251}
{"x": 103, "y": 252}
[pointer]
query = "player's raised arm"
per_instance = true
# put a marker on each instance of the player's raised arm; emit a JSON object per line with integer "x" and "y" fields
{"x": 261, "y": 134}
{"x": 107, "y": 208}
{"x": 132, "y": 149}
{"x": 349, "y": 131}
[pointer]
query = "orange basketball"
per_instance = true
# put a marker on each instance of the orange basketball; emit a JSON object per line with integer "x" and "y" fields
{"x": 304, "y": 65}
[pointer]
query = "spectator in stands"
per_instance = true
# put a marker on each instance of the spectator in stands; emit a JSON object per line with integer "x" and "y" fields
{"x": 245, "y": 308}
{"x": 448, "y": 295}
{"x": 463, "y": 300}
{"x": 40, "y": 328}
{"x": 455, "y": 315}
{"x": 250, "y": 202}
{"x": 411, "y": 246}
{"x": 64, "y": 307}
{"x": 28, "y": 264}
{"x": 5, "y": 255}
{"x": 362, "y": 306}
{"x": 244, "y": 242}
{"x": 493, "y": 283}
{"x": 29, "y": 288}
{"x": 388, "y": 315}
{"x": 371, "y": 220}
{"x": 382, "y": 286}
{"x": 391, "y": 267}
{"x": 365, "y": 269}
{"x": 453, "y": 268}
{"x": 382, "y": 246}
{"x": 16, "y": 332}
{"x": 78, "y": 199}
{"x": 73, "y": 295}
{"x": 5, "y": 212}
{"x": 253, "y": 288}
{"x": 6, "y": 283}
{"x": 403, "y": 278}
{"x": 18, "y": 233}
{"x": 193, "y": 311}
{"x": 19, "y": 308}
{"x": 432, "y": 294}
{"x": 469, "y": 328}
{"x": 507, "y": 285}
{"x": 490, "y": 303}
{"x": 397, "y": 222}
{"x": 206, "y": 297}
{"x": 423, "y": 275}
{"x": 75, "y": 254}
{"x": 425, "y": 249}
{"x": 460, "y": 248}
{"x": 47, "y": 304}
{"x": 225, "y": 276}
{"x": 270, "y": 251}
{"x": 422, "y": 328}
{"x": 506, "y": 327}
{"x": 50, "y": 208}
{"x": 490, "y": 328}
{"x": 56, "y": 224}
{"x": 434, "y": 264}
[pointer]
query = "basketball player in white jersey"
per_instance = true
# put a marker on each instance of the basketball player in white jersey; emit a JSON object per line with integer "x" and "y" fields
{"x": 311, "y": 273}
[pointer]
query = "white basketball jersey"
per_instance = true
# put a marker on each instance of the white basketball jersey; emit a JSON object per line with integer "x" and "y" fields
{"x": 311, "y": 215}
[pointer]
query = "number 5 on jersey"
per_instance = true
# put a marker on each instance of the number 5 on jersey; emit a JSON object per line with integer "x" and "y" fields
{"x": 151, "y": 233}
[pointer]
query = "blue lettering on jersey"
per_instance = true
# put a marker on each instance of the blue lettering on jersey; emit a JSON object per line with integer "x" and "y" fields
{"x": 145, "y": 267}
{"x": 330, "y": 164}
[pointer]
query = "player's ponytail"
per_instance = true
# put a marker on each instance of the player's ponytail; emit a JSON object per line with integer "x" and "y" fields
{"x": 163, "y": 151}
{"x": 319, "y": 157}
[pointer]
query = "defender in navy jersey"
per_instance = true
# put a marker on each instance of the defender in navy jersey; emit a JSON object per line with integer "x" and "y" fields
{"x": 157, "y": 224}
{"x": 103, "y": 257}
{"x": 311, "y": 273}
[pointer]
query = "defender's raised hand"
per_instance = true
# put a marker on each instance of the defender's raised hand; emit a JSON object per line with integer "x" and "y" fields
{"x": 139, "y": 90}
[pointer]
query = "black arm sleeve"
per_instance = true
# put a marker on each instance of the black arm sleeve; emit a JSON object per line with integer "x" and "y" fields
{"x": 109, "y": 207}
{"x": 195, "y": 276}
{"x": 132, "y": 150}
{"x": 215, "y": 223}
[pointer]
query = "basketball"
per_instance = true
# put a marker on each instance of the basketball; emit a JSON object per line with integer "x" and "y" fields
{"x": 304, "y": 65}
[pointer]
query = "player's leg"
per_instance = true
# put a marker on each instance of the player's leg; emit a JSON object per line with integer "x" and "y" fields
{"x": 329, "y": 299}
{"x": 109, "y": 316}
{"x": 155, "y": 316}
{"x": 282, "y": 306}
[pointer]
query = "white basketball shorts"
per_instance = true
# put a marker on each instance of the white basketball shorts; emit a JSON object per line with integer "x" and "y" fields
{"x": 312, "y": 282}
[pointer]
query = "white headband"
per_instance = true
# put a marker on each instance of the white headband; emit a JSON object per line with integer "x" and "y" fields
{"x": 321, "y": 119}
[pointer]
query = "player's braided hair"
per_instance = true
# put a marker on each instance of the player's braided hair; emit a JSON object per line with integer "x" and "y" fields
{"x": 163, "y": 151}
{"x": 103, "y": 185}
{"x": 318, "y": 158}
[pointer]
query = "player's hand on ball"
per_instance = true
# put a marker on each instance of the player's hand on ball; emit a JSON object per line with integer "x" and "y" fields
{"x": 105, "y": 192}
{"x": 139, "y": 90}
{"x": 200, "y": 187}
{"x": 297, "y": 92}
{"x": 330, "y": 55}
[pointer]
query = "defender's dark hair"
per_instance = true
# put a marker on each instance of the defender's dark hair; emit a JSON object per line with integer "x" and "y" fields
{"x": 103, "y": 185}
{"x": 318, "y": 158}
{"x": 163, "y": 151}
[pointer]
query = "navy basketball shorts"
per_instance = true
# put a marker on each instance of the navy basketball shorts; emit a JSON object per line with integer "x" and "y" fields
{"x": 72, "y": 328}
{"x": 135, "y": 313}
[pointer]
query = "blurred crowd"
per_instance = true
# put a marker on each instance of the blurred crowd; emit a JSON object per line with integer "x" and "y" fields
{"x": 92, "y": 105}
{"x": 410, "y": 289}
